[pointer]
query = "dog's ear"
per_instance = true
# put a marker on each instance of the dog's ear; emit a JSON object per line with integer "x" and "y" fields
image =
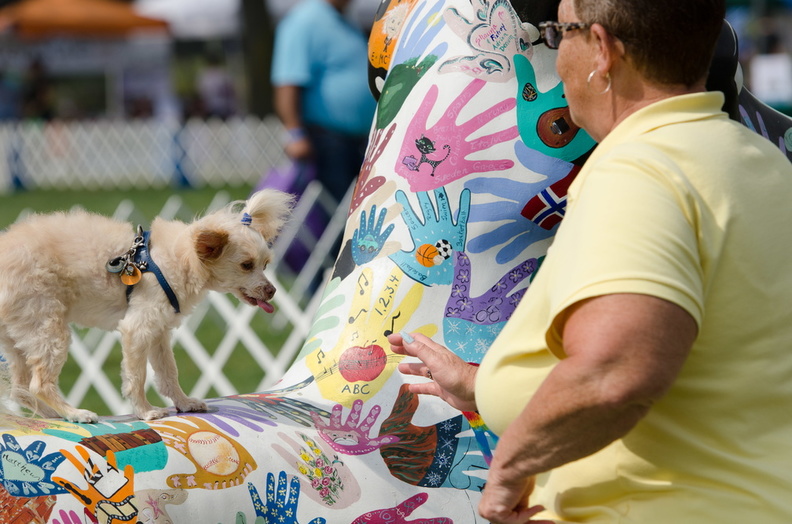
{"x": 266, "y": 211}
{"x": 209, "y": 244}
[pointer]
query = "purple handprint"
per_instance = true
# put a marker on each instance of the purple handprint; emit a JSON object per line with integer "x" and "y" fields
{"x": 443, "y": 149}
{"x": 399, "y": 514}
{"x": 472, "y": 323}
{"x": 350, "y": 438}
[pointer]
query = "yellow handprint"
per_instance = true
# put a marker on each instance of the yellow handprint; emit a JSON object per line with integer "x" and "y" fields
{"x": 110, "y": 495}
{"x": 361, "y": 361}
{"x": 220, "y": 462}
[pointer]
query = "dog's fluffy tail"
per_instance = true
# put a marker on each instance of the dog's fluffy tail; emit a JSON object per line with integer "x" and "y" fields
{"x": 269, "y": 209}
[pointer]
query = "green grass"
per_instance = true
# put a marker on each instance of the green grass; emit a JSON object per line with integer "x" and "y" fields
{"x": 241, "y": 369}
{"x": 148, "y": 202}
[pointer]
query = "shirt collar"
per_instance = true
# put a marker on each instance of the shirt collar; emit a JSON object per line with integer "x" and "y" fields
{"x": 674, "y": 110}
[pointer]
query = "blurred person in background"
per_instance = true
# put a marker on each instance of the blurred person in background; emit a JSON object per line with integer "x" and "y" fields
{"x": 216, "y": 88}
{"x": 38, "y": 97}
{"x": 319, "y": 73}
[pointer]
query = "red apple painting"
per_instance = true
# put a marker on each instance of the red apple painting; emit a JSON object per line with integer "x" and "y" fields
{"x": 362, "y": 363}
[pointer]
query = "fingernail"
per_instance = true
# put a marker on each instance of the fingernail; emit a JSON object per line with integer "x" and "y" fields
{"x": 406, "y": 337}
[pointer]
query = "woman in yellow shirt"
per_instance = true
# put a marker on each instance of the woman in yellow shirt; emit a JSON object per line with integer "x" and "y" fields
{"x": 645, "y": 376}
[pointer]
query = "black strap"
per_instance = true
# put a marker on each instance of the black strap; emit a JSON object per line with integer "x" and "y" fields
{"x": 144, "y": 262}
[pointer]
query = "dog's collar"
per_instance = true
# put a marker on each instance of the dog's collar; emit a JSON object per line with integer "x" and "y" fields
{"x": 138, "y": 257}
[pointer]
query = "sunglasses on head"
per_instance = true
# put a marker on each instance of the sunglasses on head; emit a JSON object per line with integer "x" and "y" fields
{"x": 553, "y": 32}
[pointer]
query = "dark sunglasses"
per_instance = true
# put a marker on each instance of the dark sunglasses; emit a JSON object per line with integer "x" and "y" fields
{"x": 553, "y": 32}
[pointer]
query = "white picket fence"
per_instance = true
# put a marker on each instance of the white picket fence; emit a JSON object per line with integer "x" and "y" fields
{"x": 239, "y": 327}
{"x": 144, "y": 153}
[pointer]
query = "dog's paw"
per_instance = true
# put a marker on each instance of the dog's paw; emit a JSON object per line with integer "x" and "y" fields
{"x": 81, "y": 416}
{"x": 152, "y": 414}
{"x": 191, "y": 405}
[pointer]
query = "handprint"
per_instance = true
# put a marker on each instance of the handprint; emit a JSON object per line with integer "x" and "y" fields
{"x": 495, "y": 35}
{"x": 324, "y": 320}
{"x": 399, "y": 514}
{"x": 435, "y": 237}
{"x": 26, "y": 473}
{"x": 367, "y": 183}
{"x": 419, "y": 32}
{"x": 71, "y": 517}
{"x": 221, "y": 412}
{"x": 543, "y": 117}
{"x": 277, "y": 402}
{"x": 443, "y": 149}
{"x": 220, "y": 462}
{"x": 368, "y": 239}
{"x": 510, "y": 229}
{"x": 110, "y": 493}
{"x": 331, "y": 482}
{"x": 443, "y": 455}
{"x": 15, "y": 509}
{"x": 153, "y": 504}
{"x": 471, "y": 324}
{"x": 125, "y": 438}
{"x": 352, "y": 437}
{"x": 280, "y": 502}
{"x": 361, "y": 361}
{"x": 407, "y": 67}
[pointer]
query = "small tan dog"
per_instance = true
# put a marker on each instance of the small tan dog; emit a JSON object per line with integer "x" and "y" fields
{"x": 94, "y": 271}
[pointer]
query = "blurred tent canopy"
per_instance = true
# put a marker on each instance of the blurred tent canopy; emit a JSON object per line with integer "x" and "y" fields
{"x": 196, "y": 19}
{"x": 83, "y": 18}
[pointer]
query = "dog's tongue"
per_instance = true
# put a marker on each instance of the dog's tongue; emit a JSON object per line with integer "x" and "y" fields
{"x": 266, "y": 306}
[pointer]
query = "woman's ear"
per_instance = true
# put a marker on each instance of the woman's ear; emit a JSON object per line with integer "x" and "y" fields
{"x": 609, "y": 48}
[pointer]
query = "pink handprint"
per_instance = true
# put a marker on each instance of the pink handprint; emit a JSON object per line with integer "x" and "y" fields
{"x": 348, "y": 437}
{"x": 367, "y": 183}
{"x": 433, "y": 157}
{"x": 399, "y": 514}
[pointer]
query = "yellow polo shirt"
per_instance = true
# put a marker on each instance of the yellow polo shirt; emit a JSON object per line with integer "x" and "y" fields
{"x": 681, "y": 203}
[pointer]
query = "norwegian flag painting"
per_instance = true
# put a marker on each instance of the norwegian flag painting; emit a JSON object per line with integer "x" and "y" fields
{"x": 547, "y": 208}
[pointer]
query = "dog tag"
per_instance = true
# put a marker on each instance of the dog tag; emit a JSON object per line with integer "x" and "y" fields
{"x": 131, "y": 275}
{"x": 115, "y": 265}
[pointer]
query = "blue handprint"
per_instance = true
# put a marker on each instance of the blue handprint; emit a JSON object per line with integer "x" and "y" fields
{"x": 407, "y": 66}
{"x": 419, "y": 33}
{"x": 471, "y": 324}
{"x": 280, "y": 503}
{"x": 368, "y": 239}
{"x": 543, "y": 117}
{"x": 435, "y": 237}
{"x": 514, "y": 232}
{"x": 26, "y": 473}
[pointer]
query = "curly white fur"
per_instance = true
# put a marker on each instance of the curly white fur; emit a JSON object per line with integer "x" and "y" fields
{"x": 54, "y": 273}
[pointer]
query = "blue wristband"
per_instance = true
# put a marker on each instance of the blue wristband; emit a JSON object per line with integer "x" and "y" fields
{"x": 296, "y": 133}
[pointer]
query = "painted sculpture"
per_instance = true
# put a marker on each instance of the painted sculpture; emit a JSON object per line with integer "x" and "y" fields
{"x": 464, "y": 184}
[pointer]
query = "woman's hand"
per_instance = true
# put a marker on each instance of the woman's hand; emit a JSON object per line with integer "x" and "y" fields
{"x": 507, "y": 502}
{"x": 452, "y": 379}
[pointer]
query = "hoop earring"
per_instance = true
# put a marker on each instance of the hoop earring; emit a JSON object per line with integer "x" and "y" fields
{"x": 607, "y": 76}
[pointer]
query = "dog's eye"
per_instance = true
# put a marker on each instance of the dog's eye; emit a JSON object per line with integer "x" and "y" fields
{"x": 248, "y": 265}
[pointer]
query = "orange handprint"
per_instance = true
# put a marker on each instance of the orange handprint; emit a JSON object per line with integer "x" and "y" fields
{"x": 110, "y": 495}
{"x": 220, "y": 462}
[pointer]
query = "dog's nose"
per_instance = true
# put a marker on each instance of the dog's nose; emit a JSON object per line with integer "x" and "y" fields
{"x": 269, "y": 291}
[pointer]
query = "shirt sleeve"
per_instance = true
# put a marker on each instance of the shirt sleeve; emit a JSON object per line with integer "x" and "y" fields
{"x": 291, "y": 58}
{"x": 631, "y": 228}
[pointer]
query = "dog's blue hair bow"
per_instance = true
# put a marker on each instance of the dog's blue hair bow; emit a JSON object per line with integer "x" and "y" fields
{"x": 246, "y": 219}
